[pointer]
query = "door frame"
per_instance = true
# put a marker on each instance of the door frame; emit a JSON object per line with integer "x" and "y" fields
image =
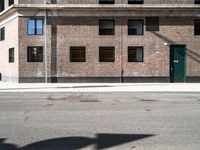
{"x": 170, "y": 63}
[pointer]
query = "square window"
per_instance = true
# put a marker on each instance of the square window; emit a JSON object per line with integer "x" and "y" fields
{"x": 135, "y": 54}
{"x": 11, "y": 55}
{"x": 197, "y": 27}
{"x": 106, "y": 54}
{"x": 106, "y": 1}
{"x": 106, "y": 27}
{"x": 35, "y": 27}
{"x": 35, "y": 54}
{"x": 197, "y": 1}
{"x": 11, "y": 2}
{"x": 135, "y": 27}
{"x": 152, "y": 23}
{"x": 135, "y": 2}
{"x": 2, "y": 5}
{"x": 77, "y": 54}
{"x": 2, "y": 34}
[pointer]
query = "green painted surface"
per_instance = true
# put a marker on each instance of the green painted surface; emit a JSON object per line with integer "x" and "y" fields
{"x": 177, "y": 63}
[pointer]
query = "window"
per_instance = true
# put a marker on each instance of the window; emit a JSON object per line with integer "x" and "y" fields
{"x": 2, "y": 34}
{"x": 106, "y": 1}
{"x": 2, "y": 5}
{"x": 135, "y": 2}
{"x": 106, "y": 54}
{"x": 197, "y": 27}
{"x": 77, "y": 54}
{"x": 135, "y": 27}
{"x": 35, "y": 54}
{"x": 152, "y": 24}
{"x": 11, "y": 2}
{"x": 11, "y": 55}
{"x": 106, "y": 27}
{"x": 197, "y": 1}
{"x": 35, "y": 27}
{"x": 135, "y": 54}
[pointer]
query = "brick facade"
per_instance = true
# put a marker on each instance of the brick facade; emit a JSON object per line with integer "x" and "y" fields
{"x": 65, "y": 31}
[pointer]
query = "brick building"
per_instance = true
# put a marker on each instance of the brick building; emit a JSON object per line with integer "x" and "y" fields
{"x": 100, "y": 40}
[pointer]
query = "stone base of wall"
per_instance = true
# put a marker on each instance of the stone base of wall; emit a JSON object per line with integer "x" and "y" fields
{"x": 99, "y": 80}
{"x": 9, "y": 79}
{"x": 95, "y": 80}
{"x": 193, "y": 79}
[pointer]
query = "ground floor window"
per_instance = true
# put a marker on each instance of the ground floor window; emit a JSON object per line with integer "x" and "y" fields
{"x": 77, "y": 54}
{"x": 11, "y": 55}
{"x": 35, "y": 54}
{"x": 106, "y": 54}
{"x": 106, "y": 1}
{"x": 2, "y": 34}
{"x": 197, "y": 1}
{"x": 135, "y": 54}
{"x": 135, "y": 2}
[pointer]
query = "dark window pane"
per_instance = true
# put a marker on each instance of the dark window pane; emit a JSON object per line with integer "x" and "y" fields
{"x": 135, "y": 27}
{"x": 197, "y": 1}
{"x": 197, "y": 27}
{"x": 2, "y": 34}
{"x": 152, "y": 24}
{"x": 39, "y": 27}
{"x": 135, "y": 54}
{"x": 135, "y": 2}
{"x": 11, "y": 55}
{"x": 77, "y": 54}
{"x": 106, "y": 1}
{"x": 11, "y": 2}
{"x": 106, "y": 27}
{"x": 2, "y": 5}
{"x": 107, "y": 54}
{"x": 35, "y": 54}
{"x": 31, "y": 26}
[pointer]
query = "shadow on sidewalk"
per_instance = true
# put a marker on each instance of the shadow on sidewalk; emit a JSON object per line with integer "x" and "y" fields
{"x": 101, "y": 141}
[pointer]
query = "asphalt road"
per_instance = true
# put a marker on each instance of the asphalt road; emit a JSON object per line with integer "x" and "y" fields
{"x": 118, "y": 121}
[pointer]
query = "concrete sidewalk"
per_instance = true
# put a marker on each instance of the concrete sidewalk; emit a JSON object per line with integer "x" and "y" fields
{"x": 100, "y": 87}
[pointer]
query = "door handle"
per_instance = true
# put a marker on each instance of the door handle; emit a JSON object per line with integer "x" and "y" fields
{"x": 175, "y": 61}
{"x": 171, "y": 68}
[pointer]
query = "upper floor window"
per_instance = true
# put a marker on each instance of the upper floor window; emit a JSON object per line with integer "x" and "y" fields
{"x": 106, "y": 1}
{"x": 35, "y": 27}
{"x": 11, "y": 2}
{"x": 106, "y": 27}
{"x": 2, "y": 34}
{"x": 152, "y": 23}
{"x": 197, "y": 1}
{"x": 197, "y": 27}
{"x": 135, "y": 1}
{"x": 11, "y": 55}
{"x": 77, "y": 54}
{"x": 135, "y": 27}
{"x": 35, "y": 54}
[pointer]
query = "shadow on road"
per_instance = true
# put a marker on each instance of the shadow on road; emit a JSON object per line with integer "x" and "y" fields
{"x": 101, "y": 141}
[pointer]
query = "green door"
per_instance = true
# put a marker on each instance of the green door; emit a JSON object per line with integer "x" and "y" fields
{"x": 177, "y": 63}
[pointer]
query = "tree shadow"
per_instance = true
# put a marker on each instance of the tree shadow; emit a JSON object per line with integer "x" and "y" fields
{"x": 101, "y": 141}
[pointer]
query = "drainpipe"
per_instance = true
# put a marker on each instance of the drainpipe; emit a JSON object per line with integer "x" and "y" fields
{"x": 45, "y": 44}
{"x": 121, "y": 51}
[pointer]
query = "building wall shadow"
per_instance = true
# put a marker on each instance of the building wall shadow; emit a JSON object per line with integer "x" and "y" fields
{"x": 101, "y": 141}
{"x": 190, "y": 53}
